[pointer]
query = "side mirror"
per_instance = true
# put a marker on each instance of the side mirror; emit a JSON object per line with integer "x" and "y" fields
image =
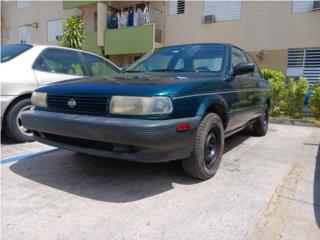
{"x": 243, "y": 68}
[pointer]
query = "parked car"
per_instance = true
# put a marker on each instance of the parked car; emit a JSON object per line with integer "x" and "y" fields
{"x": 178, "y": 102}
{"x": 24, "y": 67}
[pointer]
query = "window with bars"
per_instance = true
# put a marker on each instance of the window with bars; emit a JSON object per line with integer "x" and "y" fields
{"x": 177, "y": 7}
{"x": 304, "y": 62}
{"x": 302, "y": 6}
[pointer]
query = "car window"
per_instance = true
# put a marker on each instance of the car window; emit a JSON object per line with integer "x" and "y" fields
{"x": 256, "y": 72}
{"x": 60, "y": 61}
{"x": 9, "y": 52}
{"x": 98, "y": 66}
{"x": 238, "y": 57}
{"x": 199, "y": 58}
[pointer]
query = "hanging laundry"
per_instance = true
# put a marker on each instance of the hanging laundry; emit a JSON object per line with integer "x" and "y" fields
{"x": 130, "y": 17}
{"x": 112, "y": 21}
{"x": 118, "y": 20}
{"x": 140, "y": 17}
{"x": 124, "y": 19}
{"x": 135, "y": 18}
{"x": 146, "y": 15}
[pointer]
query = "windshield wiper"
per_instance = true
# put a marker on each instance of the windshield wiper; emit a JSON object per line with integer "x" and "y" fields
{"x": 132, "y": 71}
{"x": 172, "y": 70}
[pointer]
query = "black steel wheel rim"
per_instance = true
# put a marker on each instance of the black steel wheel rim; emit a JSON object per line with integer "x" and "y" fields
{"x": 211, "y": 149}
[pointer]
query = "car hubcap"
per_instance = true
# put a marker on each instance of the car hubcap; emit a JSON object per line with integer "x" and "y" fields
{"x": 21, "y": 128}
{"x": 211, "y": 148}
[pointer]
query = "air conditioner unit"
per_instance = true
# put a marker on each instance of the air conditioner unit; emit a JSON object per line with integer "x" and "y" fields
{"x": 209, "y": 19}
{"x": 59, "y": 37}
{"x": 316, "y": 5}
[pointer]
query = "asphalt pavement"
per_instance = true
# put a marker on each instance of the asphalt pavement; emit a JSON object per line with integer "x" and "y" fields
{"x": 266, "y": 188}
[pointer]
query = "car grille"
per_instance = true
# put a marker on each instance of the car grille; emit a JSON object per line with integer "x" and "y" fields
{"x": 92, "y": 105}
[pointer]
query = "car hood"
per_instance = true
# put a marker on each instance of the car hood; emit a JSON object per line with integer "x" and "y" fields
{"x": 159, "y": 84}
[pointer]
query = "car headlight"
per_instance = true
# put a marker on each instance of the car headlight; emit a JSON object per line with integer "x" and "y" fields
{"x": 39, "y": 99}
{"x": 140, "y": 105}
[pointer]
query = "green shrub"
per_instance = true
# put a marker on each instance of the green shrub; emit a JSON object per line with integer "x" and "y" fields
{"x": 314, "y": 102}
{"x": 73, "y": 33}
{"x": 278, "y": 91}
{"x": 296, "y": 93}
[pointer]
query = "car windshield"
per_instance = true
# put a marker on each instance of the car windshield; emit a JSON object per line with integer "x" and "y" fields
{"x": 187, "y": 58}
{"x": 9, "y": 52}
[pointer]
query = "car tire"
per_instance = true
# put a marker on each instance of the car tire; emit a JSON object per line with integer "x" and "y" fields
{"x": 260, "y": 127}
{"x": 13, "y": 126}
{"x": 208, "y": 147}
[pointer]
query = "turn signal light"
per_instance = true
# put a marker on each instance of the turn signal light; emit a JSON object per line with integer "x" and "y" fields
{"x": 183, "y": 127}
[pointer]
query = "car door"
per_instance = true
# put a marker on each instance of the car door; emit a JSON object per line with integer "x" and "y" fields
{"x": 242, "y": 94}
{"x": 257, "y": 96}
{"x": 98, "y": 66}
{"x": 57, "y": 64}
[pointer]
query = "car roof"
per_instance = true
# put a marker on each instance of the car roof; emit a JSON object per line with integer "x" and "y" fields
{"x": 206, "y": 43}
{"x": 42, "y": 46}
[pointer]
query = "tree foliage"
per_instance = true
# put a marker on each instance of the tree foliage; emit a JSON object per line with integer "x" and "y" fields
{"x": 314, "y": 102}
{"x": 278, "y": 91}
{"x": 296, "y": 93}
{"x": 73, "y": 33}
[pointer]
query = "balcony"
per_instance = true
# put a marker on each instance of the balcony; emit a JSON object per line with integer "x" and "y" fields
{"x": 75, "y": 4}
{"x": 130, "y": 40}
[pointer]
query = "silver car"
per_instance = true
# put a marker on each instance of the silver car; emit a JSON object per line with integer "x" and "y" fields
{"x": 25, "y": 67}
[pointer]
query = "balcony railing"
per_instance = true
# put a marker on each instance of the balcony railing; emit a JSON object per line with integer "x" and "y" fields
{"x": 130, "y": 40}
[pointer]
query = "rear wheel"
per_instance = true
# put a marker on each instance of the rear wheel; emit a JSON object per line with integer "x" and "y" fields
{"x": 260, "y": 127}
{"x": 13, "y": 124}
{"x": 207, "y": 150}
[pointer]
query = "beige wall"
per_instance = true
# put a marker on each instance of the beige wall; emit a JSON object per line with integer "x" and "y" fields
{"x": 272, "y": 59}
{"x": 36, "y": 12}
{"x": 263, "y": 25}
{"x": 88, "y": 17}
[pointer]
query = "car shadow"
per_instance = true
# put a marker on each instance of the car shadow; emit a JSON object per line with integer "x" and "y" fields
{"x": 316, "y": 189}
{"x": 107, "y": 179}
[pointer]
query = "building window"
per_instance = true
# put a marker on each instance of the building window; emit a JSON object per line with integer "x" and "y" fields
{"x": 223, "y": 10}
{"x": 22, "y": 3}
{"x": 177, "y": 7}
{"x": 24, "y": 34}
{"x": 305, "y": 6}
{"x": 54, "y": 30}
{"x": 304, "y": 62}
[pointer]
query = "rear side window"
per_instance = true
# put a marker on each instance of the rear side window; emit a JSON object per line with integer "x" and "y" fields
{"x": 60, "y": 61}
{"x": 98, "y": 66}
{"x": 9, "y": 52}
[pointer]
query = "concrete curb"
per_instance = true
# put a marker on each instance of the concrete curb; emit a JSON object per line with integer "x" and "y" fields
{"x": 304, "y": 123}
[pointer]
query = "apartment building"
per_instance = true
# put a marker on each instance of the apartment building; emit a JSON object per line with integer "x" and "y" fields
{"x": 282, "y": 35}
{"x": 25, "y": 21}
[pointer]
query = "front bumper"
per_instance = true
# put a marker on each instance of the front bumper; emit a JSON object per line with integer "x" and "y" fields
{"x": 129, "y": 139}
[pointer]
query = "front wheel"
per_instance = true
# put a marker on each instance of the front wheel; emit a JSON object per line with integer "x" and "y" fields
{"x": 207, "y": 149}
{"x": 13, "y": 125}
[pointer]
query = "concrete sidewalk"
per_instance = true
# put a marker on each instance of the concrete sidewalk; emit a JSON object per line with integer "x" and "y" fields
{"x": 266, "y": 188}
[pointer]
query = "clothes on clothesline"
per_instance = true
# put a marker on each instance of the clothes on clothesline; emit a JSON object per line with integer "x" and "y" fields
{"x": 129, "y": 18}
